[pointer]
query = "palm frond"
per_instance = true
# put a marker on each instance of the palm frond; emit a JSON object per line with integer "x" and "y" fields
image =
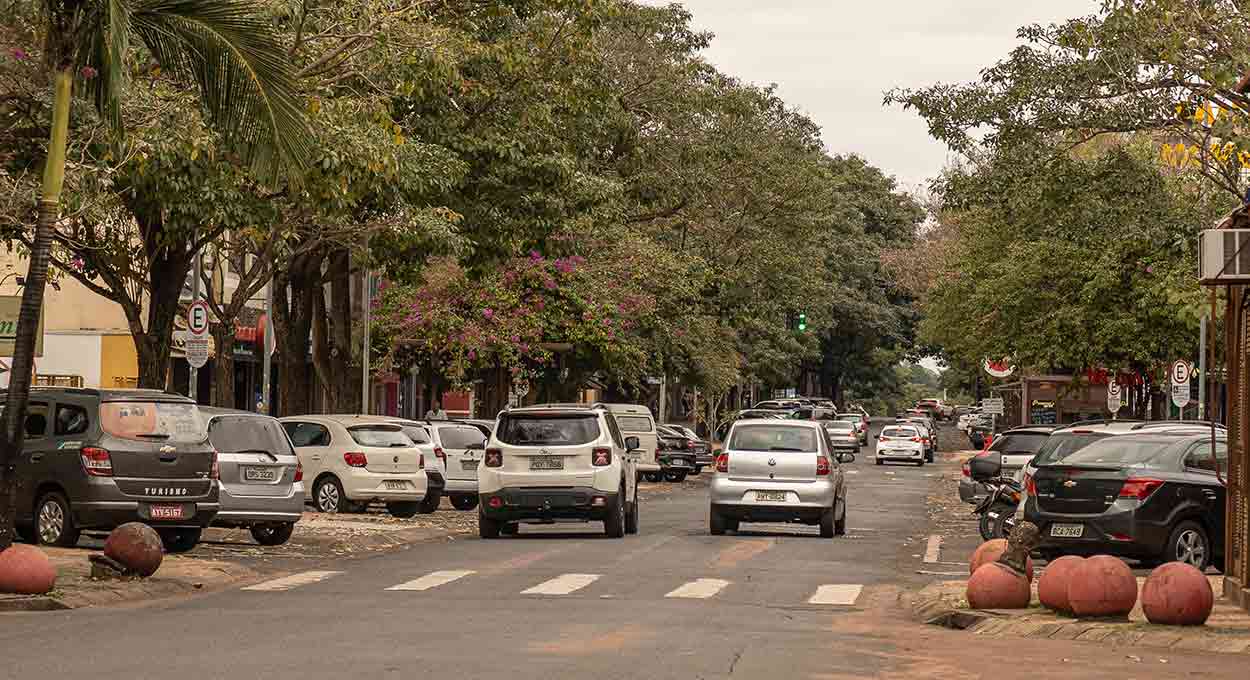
{"x": 247, "y": 84}
{"x": 103, "y": 49}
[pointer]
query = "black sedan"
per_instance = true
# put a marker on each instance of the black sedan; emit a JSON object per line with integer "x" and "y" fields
{"x": 1153, "y": 496}
{"x": 676, "y": 455}
{"x": 702, "y": 450}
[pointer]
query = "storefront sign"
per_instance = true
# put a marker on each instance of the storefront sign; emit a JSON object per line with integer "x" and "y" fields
{"x": 10, "y": 307}
{"x": 999, "y": 369}
{"x": 1042, "y": 412}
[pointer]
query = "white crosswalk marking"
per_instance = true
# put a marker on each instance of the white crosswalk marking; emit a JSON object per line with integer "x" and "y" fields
{"x": 562, "y": 585}
{"x": 699, "y": 589}
{"x": 433, "y": 580}
{"x": 836, "y": 594}
{"x": 293, "y": 581}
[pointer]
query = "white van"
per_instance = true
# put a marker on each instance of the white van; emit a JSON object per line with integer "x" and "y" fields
{"x": 636, "y": 421}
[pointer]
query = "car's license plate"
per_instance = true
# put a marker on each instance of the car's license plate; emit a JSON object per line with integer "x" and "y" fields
{"x": 1067, "y": 530}
{"x": 392, "y": 485}
{"x": 470, "y": 464}
{"x": 770, "y": 496}
{"x": 547, "y": 463}
{"x": 260, "y": 474}
{"x": 165, "y": 511}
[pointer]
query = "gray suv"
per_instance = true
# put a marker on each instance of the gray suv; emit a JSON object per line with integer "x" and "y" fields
{"x": 94, "y": 459}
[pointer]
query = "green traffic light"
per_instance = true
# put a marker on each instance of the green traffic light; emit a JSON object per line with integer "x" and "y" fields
{"x": 802, "y": 322}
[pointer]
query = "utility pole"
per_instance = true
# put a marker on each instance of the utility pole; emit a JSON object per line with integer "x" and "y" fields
{"x": 663, "y": 414}
{"x": 193, "y": 384}
{"x": 1202, "y": 367}
{"x": 366, "y": 297}
{"x": 266, "y": 360}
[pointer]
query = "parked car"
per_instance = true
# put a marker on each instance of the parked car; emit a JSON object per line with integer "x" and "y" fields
{"x": 778, "y": 405}
{"x": 928, "y": 435}
{"x": 635, "y": 419}
{"x": 843, "y": 435}
{"x": 935, "y": 408}
{"x": 94, "y": 459}
{"x": 676, "y": 456}
{"x": 861, "y": 424}
{"x": 548, "y": 464}
{"x": 1014, "y": 449}
{"x": 1153, "y": 495}
{"x": 722, "y": 432}
{"x": 356, "y": 460}
{"x": 433, "y": 457}
{"x": 460, "y": 446}
{"x": 261, "y": 480}
{"x": 902, "y": 442}
{"x": 778, "y": 471}
{"x": 702, "y": 449}
{"x": 813, "y": 413}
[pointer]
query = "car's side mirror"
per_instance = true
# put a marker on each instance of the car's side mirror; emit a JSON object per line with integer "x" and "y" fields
{"x": 846, "y": 457}
{"x": 632, "y": 443}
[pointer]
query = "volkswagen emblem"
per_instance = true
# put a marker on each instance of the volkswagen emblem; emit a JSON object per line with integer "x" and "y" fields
{"x": 772, "y": 461}
{"x": 1069, "y": 484}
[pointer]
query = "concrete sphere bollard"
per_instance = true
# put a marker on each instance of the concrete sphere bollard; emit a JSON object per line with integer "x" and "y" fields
{"x": 1052, "y": 586}
{"x": 990, "y": 551}
{"x": 1102, "y": 586}
{"x": 1177, "y": 594}
{"x": 996, "y": 586}
{"x": 26, "y": 570}
{"x": 137, "y": 547}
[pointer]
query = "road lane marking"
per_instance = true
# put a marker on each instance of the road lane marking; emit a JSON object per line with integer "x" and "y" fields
{"x": 433, "y": 580}
{"x": 933, "y": 549}
{"x": 293, "y": 581}
{"x": 699, "y": 589}
{"x": 562, "y": 585}
{"x": 844, "y": 594}
{"x": 741, "y": 551}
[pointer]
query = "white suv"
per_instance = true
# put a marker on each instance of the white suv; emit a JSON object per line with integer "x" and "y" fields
{"x": 355, "y": 460}
{"x": 547, "y": 464}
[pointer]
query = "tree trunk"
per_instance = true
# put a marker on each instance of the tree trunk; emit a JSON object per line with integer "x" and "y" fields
{"x": 292, "y": 321}
{"x": 32, "y": 304}
{"x": 223, "y": 365}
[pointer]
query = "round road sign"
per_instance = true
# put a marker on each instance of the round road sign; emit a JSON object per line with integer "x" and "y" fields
{"x": 1180, "y": 372}
{"x": 197, "y": 319}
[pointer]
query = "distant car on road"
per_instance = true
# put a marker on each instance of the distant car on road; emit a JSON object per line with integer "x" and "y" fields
{"x": 354, "y": 460}
{"x": 843, "y": 435}
{"x": 702, "y": 449}
{"x": 778, "y": 471}
{"x": 95, "y": 459}
{"x": 1015, "y": 448}
{"x": 861, "y": 424}
{"x": 676, "y": 455}
{"x": 902, "y": 442}
{"x": 261, "y": 480}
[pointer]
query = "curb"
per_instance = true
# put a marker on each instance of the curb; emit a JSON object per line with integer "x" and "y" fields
{"x": 30, "y": 603}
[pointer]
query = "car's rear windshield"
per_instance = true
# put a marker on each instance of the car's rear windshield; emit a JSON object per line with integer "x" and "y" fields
{"x": 773, "y": 438}
{"x": 154, "y": 421}
{"x": 840, "y": 426}
{"x": 1060, "y": 445}
{"x": 418, "y": 435}
{"x": 1019, "y": 443}
{"x": 898, "y": 432}
{"x": 460, "y": 437}
{"x": 379, "y": 435}
{"x": 634, "y": 423}
{"x": 235, "y": 434}
{"x": 1118, "y": 451}
{"x": 850, "y": 417}
{"x": 547, "y": 430}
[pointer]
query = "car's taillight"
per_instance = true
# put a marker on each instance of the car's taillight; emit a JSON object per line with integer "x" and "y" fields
{"x": 685, "y": 444}
{"x": 918, "y": 440}
{"x": 494, "y": 458}
{"x": 421, "y": 460}
{"x": 966, "y": 470}
{"x": 601, "y": 457}
{"x": 440, "y": 454}
{"x": 883, "y": 439}
{"x": 96, "y": 462}
{"x": 215, "y": 471}
{"x": 722, "y": 462}
{"x": 1030, "y": 487}
{"x": 299, "y": 471}
{"x": 355, "y": 459}
{"x": 822, "y": 466}
{"x": 1139, "y": 488}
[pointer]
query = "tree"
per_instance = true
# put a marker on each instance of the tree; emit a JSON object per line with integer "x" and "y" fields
{"x": 247, "y": 91}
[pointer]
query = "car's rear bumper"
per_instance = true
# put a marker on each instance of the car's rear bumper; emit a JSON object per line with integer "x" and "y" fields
{"x": 806, "y": 513}
{"x": 1137, "y": 538}
{"x": 546, "y": 503}
{"x": 901, "y": 454}
{"x": 678, "y": 461}
{"x": 725, "y": 491}
{"x": 461, "y": 486}
{"x": 240, "y": 510}
{"x": 112, "y": 514}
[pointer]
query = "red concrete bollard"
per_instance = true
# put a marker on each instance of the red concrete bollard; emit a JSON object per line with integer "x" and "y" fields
{"x": 1052, "y": 586}
{"x": 990, "y": 551}
{"x": 26, "y": 570}
{"x": 1102, "y": 586}
{"x": 137, "y": 547}
{"x": 1177, "y": 594}
{"x": 996, "y": 586}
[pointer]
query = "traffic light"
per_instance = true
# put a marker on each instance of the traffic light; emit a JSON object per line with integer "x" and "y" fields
{"x": 802, "y": 321}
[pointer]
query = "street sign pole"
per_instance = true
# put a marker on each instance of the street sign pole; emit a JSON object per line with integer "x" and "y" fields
{"x": 193, "y": 385}
{"x": 266, "y": 361}
{"x": 1202, "y": 368}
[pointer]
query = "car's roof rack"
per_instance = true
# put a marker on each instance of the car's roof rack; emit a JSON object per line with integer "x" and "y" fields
{"x": 1178, "y": 423}
{"x": 1098, "y": 421}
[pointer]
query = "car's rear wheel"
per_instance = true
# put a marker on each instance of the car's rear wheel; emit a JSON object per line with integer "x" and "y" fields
{"x": 273, "y": 534}
{"x": 716, "y": 523}
{"x": 403, "y": 509}
{"x": 179, "y": 540}
{"x": 1189, "y": 544}
{"x": 986, "y": 526}
{"x": 631, "y": 517}
{"x": 614, "y": 524}
{"x": 429, "y": 504}
{"x": 839, "y": 524}
{"x": 328, "y": 496}
{"x": 463, "y": 501}
{"x": 827, "y": 523}
{"x": 880, "y": 462}
{"x": 510, "y": 529}
{"x": 653, "y": 477}
{"x": 675, "y": 476}
{"x": 54, "y": 523}
{"x": 487, "y": 527}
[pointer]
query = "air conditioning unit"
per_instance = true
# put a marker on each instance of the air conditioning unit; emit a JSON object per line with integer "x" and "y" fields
{"x": 1224, "y": 256}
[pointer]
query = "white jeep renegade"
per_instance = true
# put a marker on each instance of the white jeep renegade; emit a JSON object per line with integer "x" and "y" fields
{"x": 558, "y": 463}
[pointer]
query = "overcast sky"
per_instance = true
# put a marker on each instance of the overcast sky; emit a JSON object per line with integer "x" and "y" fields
{"x": 835, "y": 58}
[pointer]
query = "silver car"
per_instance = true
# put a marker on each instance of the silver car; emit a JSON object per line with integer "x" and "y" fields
{"x": 778, "y": 471}
{"x": 901, "y": 443}
{"x": 843, "y": 435}
{"x": 262, "y": 483}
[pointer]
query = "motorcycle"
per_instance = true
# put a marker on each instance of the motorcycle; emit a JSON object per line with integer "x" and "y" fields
{"x": 998, "y": 508}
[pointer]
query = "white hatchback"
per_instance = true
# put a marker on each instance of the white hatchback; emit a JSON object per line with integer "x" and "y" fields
{"x": 901, "y": 443}
{"x": 355, "y": 460}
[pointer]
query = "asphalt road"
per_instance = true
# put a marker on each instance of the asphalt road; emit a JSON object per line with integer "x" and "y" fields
{"x": 774, "y": 601}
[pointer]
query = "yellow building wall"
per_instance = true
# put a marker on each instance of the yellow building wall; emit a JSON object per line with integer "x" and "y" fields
{"x": 73, "y": 307}
{"x": 119, "y": 363}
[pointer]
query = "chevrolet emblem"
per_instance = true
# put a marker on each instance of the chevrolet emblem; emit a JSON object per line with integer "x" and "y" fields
{"x": 168, "y": 449}
{"x": 1069, "y": 484}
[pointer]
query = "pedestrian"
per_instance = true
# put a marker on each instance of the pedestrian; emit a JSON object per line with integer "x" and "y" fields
{"x": 436, "y": 412}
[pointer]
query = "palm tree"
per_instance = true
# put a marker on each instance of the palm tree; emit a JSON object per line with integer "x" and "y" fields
{"x": 248, "y": 93}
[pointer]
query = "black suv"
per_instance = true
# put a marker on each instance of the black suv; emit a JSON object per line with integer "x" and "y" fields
{"x": 1153, "y": 496}
{"x": 94, "y": 459}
